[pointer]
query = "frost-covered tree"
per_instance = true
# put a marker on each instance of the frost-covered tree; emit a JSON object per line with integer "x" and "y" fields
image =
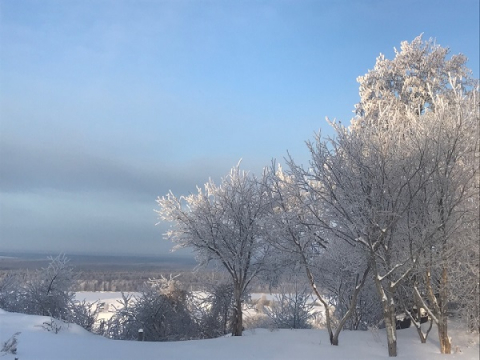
{"x": 385, "y": 183}
{"x": 119, "y": 326}
{"x": 410, "y": 82}
{"x": 224, "y": 224}
{"x": 452, "y": 194}
{"x": 365, "y": 184}
{"x": 215, "y": 308}
{"x": 343, "y": 272}
{"x": 372, "y": 183}
{"x": 432, "y": 102}
{"x": 12, "y": 293}
{"x": 464, "y": 286}
{"x": 293, "y": 306}
{"x": 297, "y": 229}
{"x": 49, "y": 291}
{"x": 84, "y": 314}
{"x": 162, "y": 311}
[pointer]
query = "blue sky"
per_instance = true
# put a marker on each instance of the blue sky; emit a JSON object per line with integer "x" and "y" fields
{"x": 105, "y": 105}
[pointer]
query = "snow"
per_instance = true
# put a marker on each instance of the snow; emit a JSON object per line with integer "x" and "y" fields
{"x": 110, "y": 299}
{"x": 75, "y": 343}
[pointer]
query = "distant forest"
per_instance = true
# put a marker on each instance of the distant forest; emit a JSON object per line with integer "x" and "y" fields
{"x": 109, "y": 273}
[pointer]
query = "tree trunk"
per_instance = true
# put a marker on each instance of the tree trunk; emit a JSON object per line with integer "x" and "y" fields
{"x": 237, "y": 323}
{"x": 322, "y": 300}
{"x": 389, "y": 315}
{"x": 351, "y": 307}
{"x": 445, "y": 345}
{"x": 334, "y": 339}
{"x": 423, "y": 339}
{"x": 417, "y": 322}
{"x": 390, "y": 327}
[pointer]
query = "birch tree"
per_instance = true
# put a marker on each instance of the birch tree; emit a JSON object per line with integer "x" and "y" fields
{"x": 437, "y": 100}
{"x": 366, "y": 183}
{"x": 452, "y": 209}
{"x": 419, "y": 73}
{"x": 224, "y": 224}
{"x": 297, "y": 229}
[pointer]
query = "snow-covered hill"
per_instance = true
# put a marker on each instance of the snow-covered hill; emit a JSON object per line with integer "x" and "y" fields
{"x": 35, "y": 342}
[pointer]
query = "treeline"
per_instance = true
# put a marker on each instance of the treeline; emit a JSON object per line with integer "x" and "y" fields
{"x": 129, "y": 281}
{"x": 134, "y": 281}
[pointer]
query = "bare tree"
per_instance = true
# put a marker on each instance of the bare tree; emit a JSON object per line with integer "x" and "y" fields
{"x": 224, "y": 224}
{"x": 293, "y": 306}
{"x": 12, "y": 293}
{"x": 361, "y": 187}
{"x": 386, "y": 182}
{"x": 48, "y": 291}
{"x": 296, "y": 228}
{"x": 436, "y": 101}
{"x": 84, "y": 314}
{"x": 452, "y": 207}
{"x": 215, "y": 306}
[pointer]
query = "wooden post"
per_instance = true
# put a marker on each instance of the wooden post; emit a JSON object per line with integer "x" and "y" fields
{"x": 141, "y": 335}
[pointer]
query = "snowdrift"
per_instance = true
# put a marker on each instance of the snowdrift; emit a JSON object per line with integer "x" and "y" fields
{"x": 38, "y": 341}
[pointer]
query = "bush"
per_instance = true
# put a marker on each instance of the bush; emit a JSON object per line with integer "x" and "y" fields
{"x": 84, "y": 314}
{"x": 11, "y": 293}
{"x": 292, "y": 310}
{"x": 215, "y": 311}
{"x": 48, "y": 292}
{"x": 162, "y": 311}
{"x": 10, "y": 346}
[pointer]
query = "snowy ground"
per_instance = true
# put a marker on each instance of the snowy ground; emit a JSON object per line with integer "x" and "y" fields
{"x": 109, "y": 300}
{"x": 72, "y": 342}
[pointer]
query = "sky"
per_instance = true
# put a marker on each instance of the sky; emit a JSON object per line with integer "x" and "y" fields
{"x": 106, "y": 105}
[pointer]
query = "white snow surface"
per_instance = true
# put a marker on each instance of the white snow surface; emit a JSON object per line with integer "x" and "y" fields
{"x": 75, "y": 343}
{"x": 110, "y": 299}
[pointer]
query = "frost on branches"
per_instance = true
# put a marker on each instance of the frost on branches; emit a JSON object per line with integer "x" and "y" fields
{"x": 400, "y": 181}
{"x": 388, "y": 207}
{"x": 412, "y": 82}
{"x": 48, "y": 291}
{"x": 298, "y": 227}
{"x": 224, "y": 224}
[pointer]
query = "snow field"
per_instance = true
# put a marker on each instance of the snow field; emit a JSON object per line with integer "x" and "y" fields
{"x": 110, "y": 301}
{"x": 75, "y": 343}
{"x": 72, "y": 342}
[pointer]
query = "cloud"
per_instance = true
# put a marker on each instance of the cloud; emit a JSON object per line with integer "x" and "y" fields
{"x": 57, "y": 197}
{"x": 31, "y": 168}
